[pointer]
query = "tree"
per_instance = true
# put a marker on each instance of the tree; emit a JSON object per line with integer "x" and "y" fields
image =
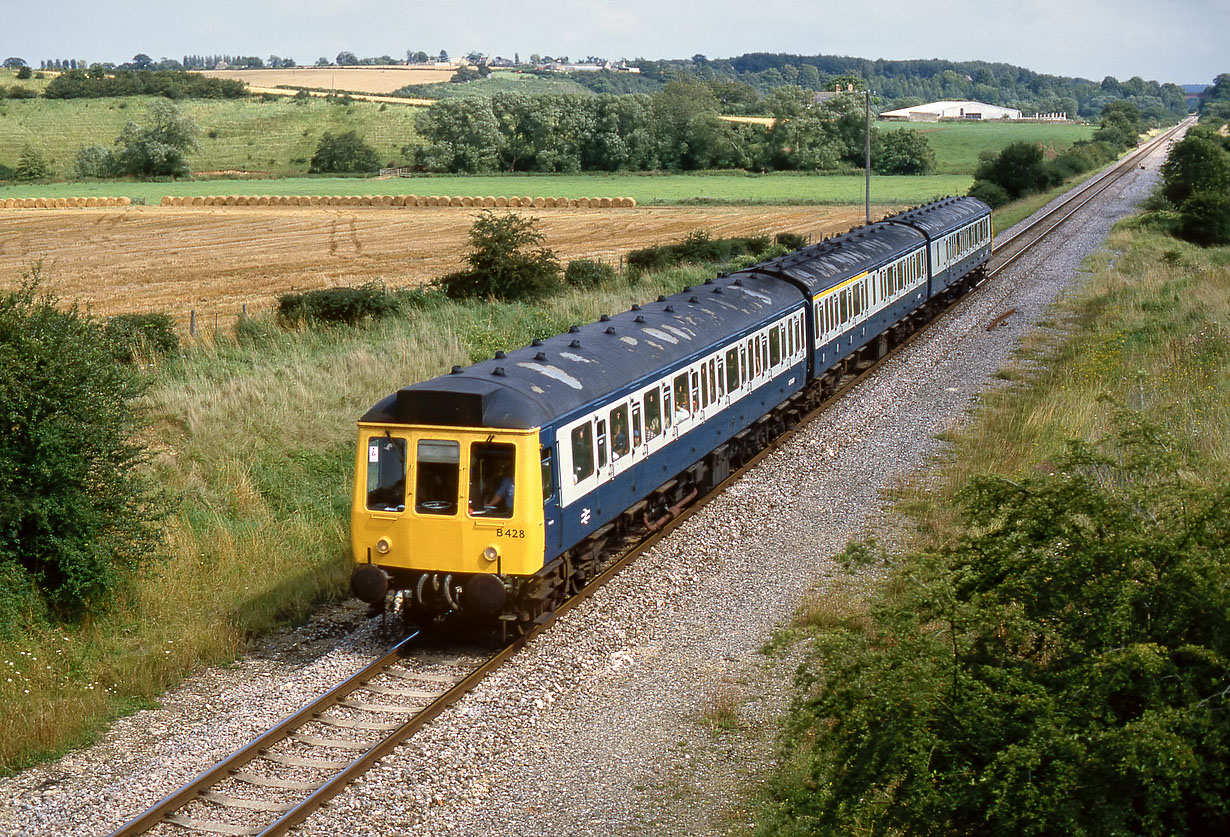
{"x": 160, "y": 148}
{"x": 901, "y": 152}
{"x": 462, "y": 133}
{"x": 799, "y": 137}
{"x": 443, "y": 56}
{"x": 141, "y": 61}
{"x": 507, "y": 261}
{"x": 1196, "y": 164}
{"x": 1062, "y": 668}
{"x": 1018, "y": 169}
{"x": 14, "y": 63}
{"x": 1204, "y": 218}
{"x": 76, "y": 516}
{"x": 346, "y": 59}
{"x": 344, "y": 153}
{"x": 32, "y": 165}
{"x": 24, "y": 73}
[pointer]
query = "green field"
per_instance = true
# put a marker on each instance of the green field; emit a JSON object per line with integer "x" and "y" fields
{"x": 958, "y": 144}
{"x": 526, "y": 84}
{"x": 253, "y": 134}
{"x": 782, "y": 188}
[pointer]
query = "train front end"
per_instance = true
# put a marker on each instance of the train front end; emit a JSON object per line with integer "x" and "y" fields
{"x": 450, "y": 515}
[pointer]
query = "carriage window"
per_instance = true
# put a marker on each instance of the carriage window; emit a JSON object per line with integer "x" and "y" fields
{"x": 637, "y": 438}
{"x": 435, "y": 490}
{"x": 790, "y": 339}
{"x": 681, "y": 397}
{"x": 548, "y": 475}
{"x": 600, "y": 426}
{"x": 492, "y": 466}
{"x": 667, "y": 412}
{"x": 775, "y": 347}
{"x": 619, "y": 431}
{"x": 764, "y": 352}
{"x": 582, "y": 451}
{"x": 704, "y": 384}
{"x": 844, "y": 298}
{"x": 386, "y": 474}
{"x": 653, "y": 413}
{"x": 713, "y": 382}
{"x": 732, "y": 370}
{"x": 819, "y": 319}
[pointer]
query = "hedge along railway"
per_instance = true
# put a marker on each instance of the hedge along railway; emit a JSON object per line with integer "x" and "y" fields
{"x": 393, "y": 676}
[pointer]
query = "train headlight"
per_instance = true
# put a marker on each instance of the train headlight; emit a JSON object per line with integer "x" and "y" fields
{"x": 383, "y": 546}
{"x": 491, "y": 554}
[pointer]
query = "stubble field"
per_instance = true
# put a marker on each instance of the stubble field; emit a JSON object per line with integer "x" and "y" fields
{"x": 216, "y": 260}
{"x": 378, "y": 79}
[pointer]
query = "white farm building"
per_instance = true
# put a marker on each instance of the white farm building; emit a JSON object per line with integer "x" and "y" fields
{"x": 935, "y": 111}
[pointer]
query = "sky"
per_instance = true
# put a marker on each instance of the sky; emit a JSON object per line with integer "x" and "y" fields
{"x": 1181, "y": 41}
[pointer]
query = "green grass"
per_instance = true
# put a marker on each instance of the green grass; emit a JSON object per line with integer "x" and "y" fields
{"x": 277, "y": 136}
{"x": 717, "y": 188}
{"x": 958, "y": 144}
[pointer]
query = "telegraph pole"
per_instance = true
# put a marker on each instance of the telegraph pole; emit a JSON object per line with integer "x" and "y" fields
{"x": 867, "y": 161}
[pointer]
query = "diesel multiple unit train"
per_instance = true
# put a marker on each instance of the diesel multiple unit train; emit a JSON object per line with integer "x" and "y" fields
{"x": 500, "y": 488}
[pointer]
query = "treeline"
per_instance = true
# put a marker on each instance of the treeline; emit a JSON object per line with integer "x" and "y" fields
{"x": 907, "y": 83}
{"x": 676, "y": 129}
{"x": 97, "y": 83}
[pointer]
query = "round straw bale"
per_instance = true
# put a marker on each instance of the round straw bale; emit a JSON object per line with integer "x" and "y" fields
{"x": 91, "y": 202}
{"x": 488, "y": 201}
{"x": 538, "y": 203}
{"x": 514, "y": 202}
{"x": 466, "y": 200}
{"x": 60, "y": 203}
{"x": 455, "y": 200}
{"x": 604, "y": 203}
{"x": 501, "y": 201}
{"x": 583, "y": 203}
{"x": 198, "y": 201}
{"x": 549, "y": 203}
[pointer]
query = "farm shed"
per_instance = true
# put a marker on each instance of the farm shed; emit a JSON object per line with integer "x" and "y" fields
{"x": 935, "y": 111}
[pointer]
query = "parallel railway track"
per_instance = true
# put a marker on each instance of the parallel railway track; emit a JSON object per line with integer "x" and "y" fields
{"x": 341, "y": 734}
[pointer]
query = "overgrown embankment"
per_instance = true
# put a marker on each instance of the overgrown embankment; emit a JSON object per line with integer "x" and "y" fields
{"x": 1049, "y": 652}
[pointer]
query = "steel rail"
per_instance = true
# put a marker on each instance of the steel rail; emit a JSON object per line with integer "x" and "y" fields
{"x": 1080, "y": 197}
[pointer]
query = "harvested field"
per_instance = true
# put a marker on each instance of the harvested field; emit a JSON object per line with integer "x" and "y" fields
{"x": 353, "y": 79}
{"x": 216, "y": 259}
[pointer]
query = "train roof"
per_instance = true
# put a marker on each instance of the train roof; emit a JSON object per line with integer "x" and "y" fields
{"x": 841, "y": 257}
{"x": 938, "y": 218}
{"x": 557, "y": 376}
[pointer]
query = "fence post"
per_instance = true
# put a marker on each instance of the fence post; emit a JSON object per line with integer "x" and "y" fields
{"x": 621, "y": 262}
{"x": 192, "y": 323}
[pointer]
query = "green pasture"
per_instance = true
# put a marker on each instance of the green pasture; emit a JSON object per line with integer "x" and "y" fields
{"x": 721, "y": 188}
{"x": 277, "y": 135}
{"x": 958, "y": 144}
{"x": 526, "y": 84}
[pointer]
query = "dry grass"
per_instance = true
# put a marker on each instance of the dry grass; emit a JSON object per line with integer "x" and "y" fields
{"x": 352, "y": 79}
{"x": 217, "y": 259}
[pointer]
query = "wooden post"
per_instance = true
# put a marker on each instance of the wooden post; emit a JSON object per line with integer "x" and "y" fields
{"x": 192, "y": 323}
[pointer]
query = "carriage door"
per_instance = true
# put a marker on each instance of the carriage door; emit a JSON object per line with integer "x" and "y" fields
{"x": 621, "y": 439}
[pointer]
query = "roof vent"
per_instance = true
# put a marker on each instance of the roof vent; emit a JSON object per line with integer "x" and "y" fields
{"x": 738, "y": 283}
{"x": 536, "y": 342}
{"x": 670, "y": 309}
{"x": 693, "y": 299}
{"x": 639, "y": 318}
{"x": 456, "y": 370}
{"x": 610, "y": 329}
{"x": 717, "y": 290}
{"x": 499, "y": 372}
{"x": 575, "y": 344}
{"x": 500, "y": 355}
{"x": 661, "y": 297}
{"x": 636, "y": 307}
{"x": 710, "y": 281}
{"x": 573, "y": 329}
{"x": 605, "y": 318}
{"x": 687, "y": 288}
{"x": 540, "y": 356}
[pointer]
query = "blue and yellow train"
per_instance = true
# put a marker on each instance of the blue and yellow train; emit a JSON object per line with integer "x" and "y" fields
{"x": 500, "y": 488}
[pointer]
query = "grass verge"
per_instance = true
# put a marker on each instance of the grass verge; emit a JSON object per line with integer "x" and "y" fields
{"x": 1148, "y": 333}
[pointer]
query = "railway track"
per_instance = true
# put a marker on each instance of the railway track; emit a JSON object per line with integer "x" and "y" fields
{"x": 279, "y": 779}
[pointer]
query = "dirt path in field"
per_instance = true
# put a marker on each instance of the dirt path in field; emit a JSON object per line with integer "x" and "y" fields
{"x": 215, "y": 260}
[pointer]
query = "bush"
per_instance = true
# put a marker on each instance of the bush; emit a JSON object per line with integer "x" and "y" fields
{"x": 1060, "y": 668}
{"x": 502, "y": 264}
{"x": 586, "y": 273}
{"x": 350, "y": 306}
{"x": 1205, "y": 219}
{"x": 698, "y": 247}
{"x": 901, "y": 152}
{"x": 992, "y": 194}
{"x": 344, "y": 153}
{"x": 1019, "y": 170}
{"x": 24, "y": 73}
{"x": 32, "y": 165}
{"x": 141, "y": 335}
{"x": 1197, "y": 164}
{"x": 94, "y": 161}
{"x": 75, "y": 516}
{"x": 789, "y": 240}
{"x": 19, "y": 92}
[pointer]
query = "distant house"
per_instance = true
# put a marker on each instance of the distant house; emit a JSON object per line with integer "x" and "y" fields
{"x": 935, "y": 111}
